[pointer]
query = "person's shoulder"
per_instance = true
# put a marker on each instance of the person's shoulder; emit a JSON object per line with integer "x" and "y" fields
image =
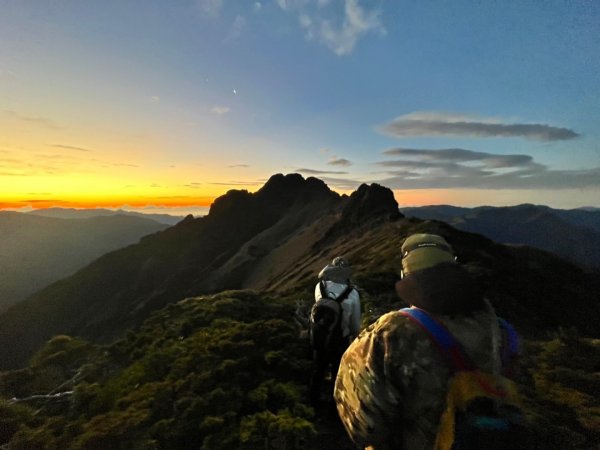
{"x": 393, "y": 323}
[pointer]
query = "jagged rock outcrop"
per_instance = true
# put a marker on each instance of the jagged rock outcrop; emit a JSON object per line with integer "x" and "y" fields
{"x": 368, "y": 202}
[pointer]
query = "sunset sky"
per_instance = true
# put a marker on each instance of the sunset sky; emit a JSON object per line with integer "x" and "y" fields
{"x": 160, "y": 104}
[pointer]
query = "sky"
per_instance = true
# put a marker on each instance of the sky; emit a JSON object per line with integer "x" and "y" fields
{"x": 164, "y": 106}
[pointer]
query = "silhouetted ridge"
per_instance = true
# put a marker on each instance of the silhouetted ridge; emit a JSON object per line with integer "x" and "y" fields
{"x": 283, "y": 189}
{"x": 279, "y": 192}
{"x": 233, "y": 202}
{"x": 370, "y": 201}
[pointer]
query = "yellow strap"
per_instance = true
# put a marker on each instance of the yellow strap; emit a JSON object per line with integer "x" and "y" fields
{"x": 462, "y": 389}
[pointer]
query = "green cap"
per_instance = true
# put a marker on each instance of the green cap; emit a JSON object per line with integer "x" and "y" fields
{"x": 423, "y": 251}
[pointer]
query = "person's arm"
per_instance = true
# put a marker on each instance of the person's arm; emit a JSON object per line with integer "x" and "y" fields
{"x": 318, "y": 295}
{"x": 369, "y": 401}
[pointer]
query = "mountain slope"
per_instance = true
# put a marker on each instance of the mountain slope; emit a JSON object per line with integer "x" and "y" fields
{"x": 572, "y": 234}
{"x": 72, "y": 213}
{"x": 36, "y": 251}
{"x": 275, "y": 239}
{"x": 229, "y": 371}
{"x": 119, "y": 290}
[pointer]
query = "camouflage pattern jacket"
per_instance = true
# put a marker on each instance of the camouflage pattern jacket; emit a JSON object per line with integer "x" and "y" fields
{"x": 392, "y": 382}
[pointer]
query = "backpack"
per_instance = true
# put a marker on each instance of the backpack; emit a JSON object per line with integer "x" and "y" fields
{"x": 483, "y": 410}
{"x": 326, "y": 319}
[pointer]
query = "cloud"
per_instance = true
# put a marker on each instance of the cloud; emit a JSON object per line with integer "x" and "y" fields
{"x": 124, "y": 165}
{"x": 238, "y": 165}
{"x": 460, "y": 168}
{"x": 71, "y": 147}
{"x": 237, "y": 27}
{"x": 193, "y": 185}
{"x": 320, "y": 172}
{"x": 36, "y": 120}
{"x": 257, "y": 6}
{"x": 460, "y": 155}
{"x": 238, "y": 183}
{"x": 50, "y": 201}
{"x": 339, "y": 34}
{"x": 210, "y": 8}
{"x": 341, "y": 183}
{"x": 444, "y": 124}
{"x": 220, "y": 110}
{"x": 154, "y": 99}
{"x": 335, "y": 161}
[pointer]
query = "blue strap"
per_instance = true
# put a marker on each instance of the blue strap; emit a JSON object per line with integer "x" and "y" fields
{"x": 512, "y": 344}
{"x": 448, "y": 345}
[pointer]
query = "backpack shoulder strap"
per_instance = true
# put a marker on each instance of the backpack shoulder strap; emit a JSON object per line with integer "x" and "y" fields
{"x": 510, "y": 346}
{"x": 447, "y": 344}
{"x": 323, "y": 289}
{"x": 340, "y": 298}
{"x": 344, "y": 295}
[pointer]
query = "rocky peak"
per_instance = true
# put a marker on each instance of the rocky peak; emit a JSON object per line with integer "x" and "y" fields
{"x": 370, "y": 201}
{"x": 292, "y": 187}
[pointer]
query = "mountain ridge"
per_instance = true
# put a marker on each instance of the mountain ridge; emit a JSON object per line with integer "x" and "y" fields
{"x": 229, "y": 370}
{"x": 178, "y": 262}
{"x": 87, "y": 213}
{"x": 36, "y": 251}
{"x": 572, "y": 234}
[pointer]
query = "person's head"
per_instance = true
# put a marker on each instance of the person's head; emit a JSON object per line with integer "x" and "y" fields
{"x": 339, "y": 271}
{"x": 340, "y": 261}
{"x": 431, "y": 278}
{"x": 423, "y": 251}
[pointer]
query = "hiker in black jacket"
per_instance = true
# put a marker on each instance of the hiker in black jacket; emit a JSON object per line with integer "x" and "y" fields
{"x": 335, "y": 322}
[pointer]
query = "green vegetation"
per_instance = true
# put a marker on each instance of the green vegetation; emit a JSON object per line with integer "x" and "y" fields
{"x": 229, "y": 372}
{"x": 226, "y": 371}
{"x": 561, "y": 381}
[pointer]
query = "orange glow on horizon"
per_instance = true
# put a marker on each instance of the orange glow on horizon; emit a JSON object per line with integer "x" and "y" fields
{"x": 108, "y": 203}
{"x": 422, "y": 197}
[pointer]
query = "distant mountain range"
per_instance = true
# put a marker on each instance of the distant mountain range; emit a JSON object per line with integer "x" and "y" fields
{"x": 73, "y": 213}
{"x": 36, "y": 251}
{"x": 152, "y": 360}
{"x": 573, "y": 234}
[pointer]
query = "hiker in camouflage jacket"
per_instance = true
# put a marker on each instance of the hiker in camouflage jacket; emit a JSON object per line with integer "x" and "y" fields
{"x": 392, "y": 382}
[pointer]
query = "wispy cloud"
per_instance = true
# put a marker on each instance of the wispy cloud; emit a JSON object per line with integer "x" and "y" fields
{"x": 70, "y": 147}
{"x": 154, "y": 99}
{"x": 123, "y": 165}
{"x": 323, "y": 23}
{"x": 237, "y": 27}
{"x": 231, "y": 166}
{"x": 220, "y": 110}
{"x": 210, "y": 8}
{"x": 36, "y": 120}
{"x": 335, "y": 161}
{"x": 448, "y": 124}
{"x": 50, "y": 201}
{"x": 64, "y": 159}
{"x": 461, "y": 168}
{"x": 194, "y": 185}
{"x": 459, "y": 155}
{"x": 341, "y": 183}
{"x": 238, "y": 183}
{"x": 320, "y": 172}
